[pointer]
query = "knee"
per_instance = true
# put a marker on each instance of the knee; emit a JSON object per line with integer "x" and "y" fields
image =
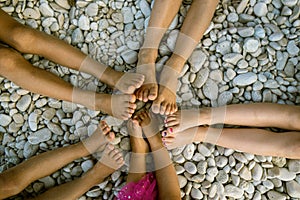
{"x": 22, "y": 38}
{"x": 8, "y": 60}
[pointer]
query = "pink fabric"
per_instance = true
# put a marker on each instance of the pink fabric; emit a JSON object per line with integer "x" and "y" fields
{"x": 144, "y": 189}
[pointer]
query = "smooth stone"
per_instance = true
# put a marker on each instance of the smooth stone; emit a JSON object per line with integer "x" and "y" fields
{"x": 292, "y": 48}
{"x": 29, "y": 150}
{"x": 68, "y": 107}
{"x": 188, "y": 151}
{"x": 201, "y": 167}
{"x": 190, "y": 167}
{"x": 196, "y": 194}
{"x": 54, "y": 128}
{"x": 24, "y": 103}
{"x": 245, "y": 31}
{"x": 129, "y": 56}
{"x": 182, "y": 181}
{"x": 289, "y": 3}
{"x": 46, "y": 10}
{"x": 117, "y": 17}
{"x": 223, "y": 47}
{"x": 245, "y": 79}
{"x": 242, "y": 5}
{"x": 230, "y": 73}
{"x": 294, "y": 166}
{"x": 39, "y": 136}
{"x": 86, "y": 165}
{"x": 48, "y": 181}
{"x": 251, "y": 45}
{"x": 84, "y": 23}
{"x": 197, "y": 60}
{"x": 211, "y": 89}
{"x": 260, "y": 9}
{"x": 133, "y": 45}
{"x": 127, "y": 15}
{"x": 225, "y": 98}
{"x": 31, "y": 13}
{"x": 76, "y": 171}
{"x": 171, "y": 40}
{"x": 274, "y": 195}
{"x": 286, "y": 175}
{"x": 276, "y": 36}
{"x": 245, "y": 173}
{"x": 92, "y": 9}
{"x": 145, "y": 8}
{"x": 293, "y": 189}
{"x": 289, "y": 69}
{"x": 232, "y": 58}
{"x": 232, "y": 17}
{"x": 270, "y": 83}
{"x": 233, "y": 191}
{"x": 63, "y": 3}
{"x": 201, "y": 77}
{"x": 77, "y": 36}
{"x": 5, "y": 120}
{"x": 281, "y": 60}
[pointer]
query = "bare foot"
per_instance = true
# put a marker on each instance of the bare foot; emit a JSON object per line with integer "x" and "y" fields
{"x": 125, "y": 82}
{"x": 165, "y": 104}
{"x": 111, "y": 158}
{"x": 99, "y": 138}
{"x": 149, "y": 121}
{"x": 182, "y": 120}
{"x": 146, "y": 66}
{"x": 174, "y": 140}
{"x": 119, "y": 105}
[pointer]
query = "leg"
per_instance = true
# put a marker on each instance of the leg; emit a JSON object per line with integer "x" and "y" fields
{"x": 161, "y": 17}
{"x": 111, "y": 161}
{"x": 17, "y": 178}
{"x": 257, "y": 115}
{"x": 196, "y": 22}
{"x": 256, "y": 141}
{"x": 165, "y": 171}
{"x": 139, "y": 149}
{"x": 14, "y": 67}
{"x": 28, "y": 40}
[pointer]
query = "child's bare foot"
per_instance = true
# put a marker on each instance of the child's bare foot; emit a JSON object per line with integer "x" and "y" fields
{"x": 146, "y": 66}
{"x": 111, "y": 158}
{"x": 165, "y": 103}
{"x": 149, "y": 122}
{"x": 137, "y": 142}
{"x": 99, "y": 138}
{"x": 174, "y": 140}
{"x": 182, "y": 120}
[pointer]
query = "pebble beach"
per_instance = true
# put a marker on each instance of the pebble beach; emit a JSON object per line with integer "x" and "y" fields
{"x": 249, "y": 53}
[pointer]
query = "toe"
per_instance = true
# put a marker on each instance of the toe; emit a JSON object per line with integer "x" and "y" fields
{"x": 156, "y": 106}
{"x": 145, "y": 95}
{"x": 131, "y": 98}
{"x": 139, "y": 94}
{"x": 168, "y": 109}
{"x": 152, "y": 93}
{"x": 163, "y": 108}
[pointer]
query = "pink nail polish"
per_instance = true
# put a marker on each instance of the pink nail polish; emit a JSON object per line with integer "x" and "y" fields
{"x": 171, "y": 130}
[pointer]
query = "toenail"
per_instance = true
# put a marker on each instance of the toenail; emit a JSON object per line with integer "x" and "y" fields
{"x": 171, "y": 130}
{"x": 164, "y": 133}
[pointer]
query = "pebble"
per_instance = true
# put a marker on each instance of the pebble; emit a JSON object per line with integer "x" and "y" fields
{"x": 286, "y": 175}
{"x": 275, "y": 195}
{"x": 23, "y": 103}
{"x": 232, "y": 58}
{"x": 31, "y": 13}
{"x": 257, "y": 172}
{"x": 5, "y": 120}
{"x": 145, "y": 8}
{"x": 84, "y": 23}
{"x": 182, "y": 181}
{"x": 197, "y": 59}
{"x": 289, "y": 3}
{"x": 29, "y": 150}
{"x": 251, "y": 45}
{"x": 294, "y": 166}
{"x": 190, "y": 167}
{"x": 201, "y": 77}
{"x": 245, "y": 79}
{"x": 246, "y": 31}
{"x": 223, "y": 47}
{"x": 233, "y": 191}
{"x": 129, "y": 56}
{"x": 292, "y": 48}
{"x": 39, "y": 136}
{"x": 196, "y": 194}
{"x": 260, "y": 9}
{"x": 225, "y": 98}
{"x": 86, "y": 165}
{"x": 46, "y": 10}
{"x": 127, "y": 15}
{"x": 92, "y": 9}
{"x": 210, "y": 89}
{"x": 293, "y": 189}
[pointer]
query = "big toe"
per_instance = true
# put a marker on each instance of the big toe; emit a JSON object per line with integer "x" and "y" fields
{"x": 152, "y": 93}
{"x": 156, "y": 106}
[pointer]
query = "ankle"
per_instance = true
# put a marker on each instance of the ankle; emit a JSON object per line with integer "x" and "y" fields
{"x": 110, "y": 76}
{"x": 147, "y": 55}
{"x": 176, "y": 62}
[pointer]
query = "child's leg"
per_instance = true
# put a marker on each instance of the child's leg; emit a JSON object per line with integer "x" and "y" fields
{"x": 139, "y": 147}
{"x": 256, "y": 141}
{"x": 257, "y": 114}
{"x": 15, "y": 179}
{"x": 28, "y": 40}
{"x": 168, "y": 186}
{"x": 14, "y": 67}
{"x": 161, "y": 17}
{"x": 195, "y": 24}
{"x": 111, "y": 161}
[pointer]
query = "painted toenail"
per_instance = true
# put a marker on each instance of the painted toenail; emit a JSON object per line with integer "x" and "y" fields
{"x": 171, "y": 130}
{"x": 164, "y": 133}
